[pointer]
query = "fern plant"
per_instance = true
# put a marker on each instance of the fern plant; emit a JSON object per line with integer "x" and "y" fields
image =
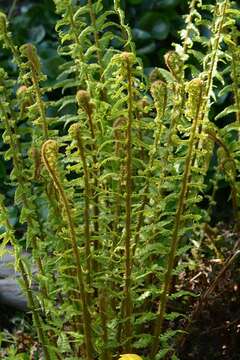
{"x": 109, "y": 177}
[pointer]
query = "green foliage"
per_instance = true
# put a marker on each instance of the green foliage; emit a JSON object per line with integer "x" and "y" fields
{"x": 109, "y": 177}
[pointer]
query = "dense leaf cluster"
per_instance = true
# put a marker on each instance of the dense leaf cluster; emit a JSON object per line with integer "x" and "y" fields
{"x": 109, "y": 177}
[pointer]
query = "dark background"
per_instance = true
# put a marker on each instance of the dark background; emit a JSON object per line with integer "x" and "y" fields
{"x": 155, "y": 25}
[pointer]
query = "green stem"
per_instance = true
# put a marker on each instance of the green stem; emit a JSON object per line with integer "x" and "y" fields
{"x": 126, "y": 31}
{"x": 87, "y": 197}
{"x": 95, "y": 194}
{"x": 40, "y": 103}
{"x": 72, "y": 234}
{"x": 210, "y": 73}
{"x": 145, "y": 199}
{"x": 235, "y": 76}
{"x": 12, "y": 8}
{"x": 215, "y": 55}
{"x": 128, "y": 219}
{"x": 33, "y": 307}
{"x": 75, "y": 33}
{"x": 175, "y": 235}
{"x": 192, "y": 7}
{"x": 103, "y": 313}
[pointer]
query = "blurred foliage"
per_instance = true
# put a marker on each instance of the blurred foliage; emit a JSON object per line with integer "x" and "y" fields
{"x": 154, "y": 23}
{"x": 34, "y": 21}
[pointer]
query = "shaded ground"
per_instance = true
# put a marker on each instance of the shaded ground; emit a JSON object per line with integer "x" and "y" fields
{"x": 215, "y": 333}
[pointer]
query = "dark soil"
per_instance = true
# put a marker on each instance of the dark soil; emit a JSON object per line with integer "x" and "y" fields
{"x": 214, "y": 332}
